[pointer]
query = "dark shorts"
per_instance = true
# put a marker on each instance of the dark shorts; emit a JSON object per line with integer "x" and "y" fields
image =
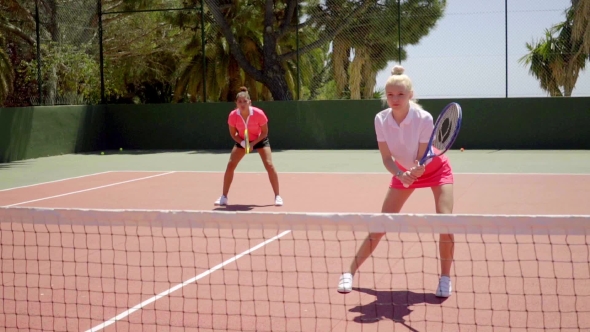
{"x": 264, "y": 143}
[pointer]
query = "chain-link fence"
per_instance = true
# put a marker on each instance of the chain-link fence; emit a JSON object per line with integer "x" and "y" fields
{"x": 184, "y": 51}
{"x": 52, "y": 49}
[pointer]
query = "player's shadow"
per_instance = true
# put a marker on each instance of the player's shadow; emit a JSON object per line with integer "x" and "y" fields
{"x": 393, "y": 305}
{"x": 240, "y": 207}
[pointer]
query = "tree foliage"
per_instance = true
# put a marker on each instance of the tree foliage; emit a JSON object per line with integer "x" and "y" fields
{"x": 371, "y": 41}
{"x": 581, "y": 23}
{"x": 557, "y": 59}
{"x": 281, "y": 50}
{"x": 6, "y": 71}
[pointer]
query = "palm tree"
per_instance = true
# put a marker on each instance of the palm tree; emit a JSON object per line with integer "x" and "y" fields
{"x": 541, "y": 57}
{"x": 581, "y": 25}
{"x": 6, "y": 71}
{"x": 557, "y": 60}
{"x": 372, "y": 40}
{"x": 141, "y": 51}
{"x": 222, "y": 74}
{"x": 217, "y": 69}
{"x": 573, "y": 59}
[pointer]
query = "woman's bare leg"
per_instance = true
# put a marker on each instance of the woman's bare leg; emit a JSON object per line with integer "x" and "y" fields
{"x": 393, "y": 203}
{"x": 443, "y": 199}
{"x": 234, "y": 159}
{"x": 266, "y": 156}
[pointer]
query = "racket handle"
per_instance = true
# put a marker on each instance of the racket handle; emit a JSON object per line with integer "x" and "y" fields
{"x": 247, "y": 139}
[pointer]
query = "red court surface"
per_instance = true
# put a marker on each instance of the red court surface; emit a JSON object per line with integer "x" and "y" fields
{"x": 75, "y": 277}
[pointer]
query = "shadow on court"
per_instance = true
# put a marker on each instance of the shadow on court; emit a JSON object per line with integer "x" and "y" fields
{"x": 393, "y": 305}
{"x": 131, "y": 152}
{"x": 13, "y": 164}
{"x": 228, "y": 151}
{"x": 240, "y": 207}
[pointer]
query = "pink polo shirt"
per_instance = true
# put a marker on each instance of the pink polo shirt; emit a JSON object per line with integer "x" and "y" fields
{"x": 255, "y": 120}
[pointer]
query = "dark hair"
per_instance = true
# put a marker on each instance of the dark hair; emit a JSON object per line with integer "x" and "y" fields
{"x": 243, "y": 93}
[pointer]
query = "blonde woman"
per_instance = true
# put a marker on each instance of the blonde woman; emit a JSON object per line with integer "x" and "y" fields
{"x": 403, "y": 131}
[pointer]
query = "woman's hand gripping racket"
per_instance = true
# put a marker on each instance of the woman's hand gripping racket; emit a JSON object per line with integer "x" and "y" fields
{"x": 446, "y": 130}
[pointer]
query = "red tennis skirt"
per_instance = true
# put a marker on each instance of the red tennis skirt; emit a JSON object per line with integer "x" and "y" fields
{"x": 437, "y": 173}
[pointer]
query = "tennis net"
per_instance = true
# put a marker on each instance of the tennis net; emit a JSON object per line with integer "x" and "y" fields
{"x": 148, "y": 270}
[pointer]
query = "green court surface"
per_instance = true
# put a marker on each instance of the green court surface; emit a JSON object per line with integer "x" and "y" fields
{"x": 34, "y": 171}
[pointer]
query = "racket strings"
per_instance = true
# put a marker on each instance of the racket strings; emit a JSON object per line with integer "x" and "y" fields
{"x": 446, "y": 129}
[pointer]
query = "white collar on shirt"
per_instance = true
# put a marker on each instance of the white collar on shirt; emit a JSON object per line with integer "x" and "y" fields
{"x": 391, "y": 121}
{"x": 250, "y": 108}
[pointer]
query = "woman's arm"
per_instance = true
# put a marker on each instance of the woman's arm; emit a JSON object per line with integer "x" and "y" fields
{"x": 418, "y": 170}
{"x": 391, "y": 166}
{"x": 387, "y": 158}
{"x": 425, "y": 134}
{"x": 233, "y": 133}
{"x": 421, "y": 150}
{"x": 263, "y": 134}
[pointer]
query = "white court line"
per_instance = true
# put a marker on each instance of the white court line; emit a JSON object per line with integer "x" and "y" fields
{"x": 353, "y": 173}
{"x": 179, "y": 286}
{"x": 54, "y": 181}
{"x": 89, "y": 189}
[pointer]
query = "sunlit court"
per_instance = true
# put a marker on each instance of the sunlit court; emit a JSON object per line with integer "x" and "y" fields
{"x": 353, "y": 165}
{"x": 147, "y": 249}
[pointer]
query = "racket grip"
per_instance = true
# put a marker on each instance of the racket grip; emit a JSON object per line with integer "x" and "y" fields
{"x": 421, "y": 163}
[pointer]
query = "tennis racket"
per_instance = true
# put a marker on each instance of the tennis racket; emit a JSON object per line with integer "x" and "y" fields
{"x": 247, "y": 138}
{"x": 444, "y": 134}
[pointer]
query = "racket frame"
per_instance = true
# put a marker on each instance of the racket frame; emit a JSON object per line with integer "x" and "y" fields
{"x": 428, "y": 154}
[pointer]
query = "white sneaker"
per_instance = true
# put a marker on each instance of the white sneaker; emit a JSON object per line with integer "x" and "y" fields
{"x": 444, "y": 288}
{"x": 221, "y": 200}
{"x": 345, "y": 283}
{"x": 278, "y": 201}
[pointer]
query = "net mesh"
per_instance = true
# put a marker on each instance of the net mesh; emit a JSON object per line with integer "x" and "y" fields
{"x": 130, "y": 270}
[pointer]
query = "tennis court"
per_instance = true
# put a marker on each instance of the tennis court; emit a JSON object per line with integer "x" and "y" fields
{"x": 131, "y": 241}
